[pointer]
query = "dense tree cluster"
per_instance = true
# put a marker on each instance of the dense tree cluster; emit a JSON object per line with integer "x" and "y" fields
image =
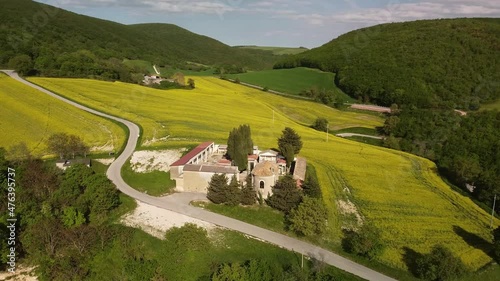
{"x": 439, "y": 265}
{"x": 62, "y": 217}
{"x": 365, "y": 242}
{"x": 229, "y": 69}
{"x": 257, "y": 270}
{"x": 328, "y": 97}
{"x": 496, "y": 244}
{"x": 311, "y": 186}
{"x": 240, "y": 145}
{"x": 309, "y": 218}
{"x": 286, "y": 196}
{"x": 449, "y": 63}
{"x": 232, "y": 193}
{"x": 428, "y": 68}
{"x": 66, "y": 146}
{"x": 466, "y": 149}
{"x": 320, "y": 124}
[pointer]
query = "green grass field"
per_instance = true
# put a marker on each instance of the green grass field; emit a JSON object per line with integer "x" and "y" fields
{"x": 276, "y": 50}
{"x": 168, "y": 72}
{"x": 31, "y": 116}
{"x": 154, "y": 183}
{"x": 292, "y": 81}
{"x": 491, "y": 106}
{"x": 400, "y": 193}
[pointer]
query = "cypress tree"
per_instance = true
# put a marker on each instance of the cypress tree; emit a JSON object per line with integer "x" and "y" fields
{"x": 248, "y": 196}
{"x": 290, "y": 137}
{"x": 233, "y": 192}
{"x": 239, "y": 145}
{"x": 231, "y": 143}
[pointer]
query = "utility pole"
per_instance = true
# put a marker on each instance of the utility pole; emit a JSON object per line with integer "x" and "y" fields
{"x": 302, "y": 261}
{"x": 493, "y": 211}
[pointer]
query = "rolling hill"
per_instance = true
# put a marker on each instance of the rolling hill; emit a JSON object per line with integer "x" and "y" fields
{"x": 48, "y": 35}
{"x": 452, "y": 63}
{"x": 31, "y": 116}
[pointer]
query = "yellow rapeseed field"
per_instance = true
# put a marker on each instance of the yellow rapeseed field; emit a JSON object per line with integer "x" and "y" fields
{"x": 399, "y": 193}
{"x": 30, "y": 116}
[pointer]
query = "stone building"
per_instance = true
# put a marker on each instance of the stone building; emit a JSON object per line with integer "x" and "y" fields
{"x": 193, "y": 172}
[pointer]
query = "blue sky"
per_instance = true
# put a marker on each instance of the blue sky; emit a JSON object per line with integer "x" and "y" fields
{"x": 308, "y": 23}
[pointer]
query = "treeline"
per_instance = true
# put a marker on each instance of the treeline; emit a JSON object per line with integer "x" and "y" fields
{"x": 466, "y": 149}
{"x": 78, "y": 64}
{"x": 327, "y": 97}
{"x": 450, "y": 63}
{"x": 62, "y": 43}
{"x": 61, "y": 217}
{"x": 428, "y": 68}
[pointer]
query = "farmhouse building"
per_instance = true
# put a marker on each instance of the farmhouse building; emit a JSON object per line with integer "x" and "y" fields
{"x": 193, "y": 171}
{"x": 197, "y": 177}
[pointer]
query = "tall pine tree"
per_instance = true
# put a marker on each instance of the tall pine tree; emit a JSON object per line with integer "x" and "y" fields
{"x": 286, "y": 196}
{"x": 233, "y": 192}
{"x": 217, "y": 189}
{"x": 248, "y": 196}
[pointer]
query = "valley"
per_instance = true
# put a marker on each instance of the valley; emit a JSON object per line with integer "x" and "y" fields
{"x": 182, "y": 141}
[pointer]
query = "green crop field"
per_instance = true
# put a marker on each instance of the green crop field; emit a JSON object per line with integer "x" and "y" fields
{"x": 276, "y": 50}
{"x": 398, "y": 192}
{"x": 30, "y": 116}
{"x": 292, "y": 81}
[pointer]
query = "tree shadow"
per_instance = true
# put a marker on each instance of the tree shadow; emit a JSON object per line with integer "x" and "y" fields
{"x": 346, "y": 241}
{"x": 410, "y": 258}
{"x": 474, "y": 240}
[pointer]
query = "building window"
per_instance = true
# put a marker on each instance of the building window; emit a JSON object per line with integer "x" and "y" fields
{"x": 262, "y": 184}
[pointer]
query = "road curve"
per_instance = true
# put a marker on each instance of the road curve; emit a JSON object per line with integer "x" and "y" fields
{"x": 180, "y": 202}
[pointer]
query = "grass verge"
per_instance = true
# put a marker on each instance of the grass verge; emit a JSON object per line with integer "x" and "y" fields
{"x": 155, "y": 183}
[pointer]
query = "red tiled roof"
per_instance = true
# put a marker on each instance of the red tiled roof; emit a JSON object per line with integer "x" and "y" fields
{"x": 224, "y": 162}
{"x": 191, "y": 154}
{"x": 211, "y": 169}
{"x": 253, "y": 156}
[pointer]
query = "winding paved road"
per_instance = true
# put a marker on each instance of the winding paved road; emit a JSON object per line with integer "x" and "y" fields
{"x": 179, "y": 203}
{"x": 348, "y": 135}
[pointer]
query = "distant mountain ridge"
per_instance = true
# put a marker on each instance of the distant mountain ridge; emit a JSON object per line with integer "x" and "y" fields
{"x": 44, "y": 32}
{"x": 451, "y": 63}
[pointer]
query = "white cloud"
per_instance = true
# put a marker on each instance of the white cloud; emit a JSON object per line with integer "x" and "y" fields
{"x": 421, "y": 10}
{"x": 192, "y": 6}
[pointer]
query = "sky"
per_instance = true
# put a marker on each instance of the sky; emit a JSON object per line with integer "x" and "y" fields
{"x": 286, "y": 23}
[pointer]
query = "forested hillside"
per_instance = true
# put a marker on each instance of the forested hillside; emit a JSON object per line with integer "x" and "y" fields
{"x": 452, "y": 63}
{"x": 428, "y": 68}
{"x": 56, "y": 42}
